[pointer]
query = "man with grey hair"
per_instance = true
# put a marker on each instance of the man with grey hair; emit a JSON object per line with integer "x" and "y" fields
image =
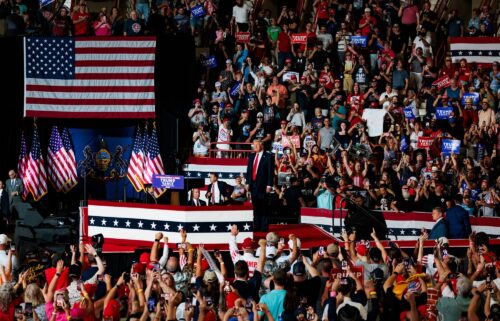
{"x": 451, "y": 308}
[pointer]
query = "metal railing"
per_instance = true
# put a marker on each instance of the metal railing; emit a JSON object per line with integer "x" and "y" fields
{"x": 236, "y": 150}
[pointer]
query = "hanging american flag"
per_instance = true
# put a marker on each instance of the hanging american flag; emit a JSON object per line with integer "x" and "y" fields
{"x": 70, "y": 160}
{"x": 35, "y": 173}
{"x": 484, "y": 50}
{"x": 22, "y": 166}
{"x": 154, "y": 164}
{"x": 89, "y": 77}
{"x": 137, "y": 159}
{"x": 57, "y": 166}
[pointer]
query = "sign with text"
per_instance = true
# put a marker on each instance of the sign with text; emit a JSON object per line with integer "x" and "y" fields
{"x": 198, "y": 11}
{"x": 409, "y": 113}
{"x": 300, "y": 38}
{"x": 449, "y": 146}
{"x": 473, "y": 96}
{"x": 209, "y": 62}
{"x": 442, "y": 82}
{"x": 168, "y": 181}
{"x": 358, "y": 41}
{"x": 288, "y": 75}
{"x": 357, "y": 270}
{"x": 443, "y": 112}
{"x": 242, "y": 37}
{"x": 235, "y": 90}
{"x": 424, "y": 142}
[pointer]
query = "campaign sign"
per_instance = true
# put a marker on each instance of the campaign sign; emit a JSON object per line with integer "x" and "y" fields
{"x": 449, "y": 146}
{"x": 288, "y": 75}
{"x": 299, "y": 38}
{"x": 473, "y": 96}
{"x": 235, "y": 90}
{"x": 443, "y": 112}
{"x": 209, "y": 62}
{"x": 442, "y": 82}
{"x": 198, "y": 11}
{"x": 242, "y": 37}
{"x": 357, "y": 270}
{"x": 358, "y": 41}
{"x": 168, "y": 181}
{"x": 424, "y": 142}
{"x": 409, "y": 113}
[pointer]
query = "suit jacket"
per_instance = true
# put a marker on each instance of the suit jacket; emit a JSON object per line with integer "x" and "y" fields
{"x": 458, "y": 222}
{"x": 17, "y": 186}
{"x": 438, "y": 230}
{"x": 264, "y": 177}
{"x": 225, "y": 191}
{"x": 4, "y": 204}
{"x": 200, "y": 202}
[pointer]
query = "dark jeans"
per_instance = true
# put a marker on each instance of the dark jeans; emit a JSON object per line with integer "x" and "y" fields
{"x": 260, "y": 214}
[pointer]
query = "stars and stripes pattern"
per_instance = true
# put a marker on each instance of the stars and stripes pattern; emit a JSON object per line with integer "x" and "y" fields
{"x": 35, "y": 173}
{"x": 154, "y": 163}
{"x": 90, "y": 77}
{"x": 57, "y": 167}
{"x": 22, "y": 166}
{"x": 135, "y": 172}
{"x": 70, "y": 160}
{"x": 475, "y": 49}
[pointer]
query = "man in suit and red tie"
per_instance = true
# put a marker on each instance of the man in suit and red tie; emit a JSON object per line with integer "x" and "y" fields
{"x": 195, "y": 198}
{"x": 218, "y": 192}
{"x": 260, "y": 171}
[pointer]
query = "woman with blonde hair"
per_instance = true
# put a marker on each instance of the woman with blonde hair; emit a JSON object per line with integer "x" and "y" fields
{"x": 34, "y": 295}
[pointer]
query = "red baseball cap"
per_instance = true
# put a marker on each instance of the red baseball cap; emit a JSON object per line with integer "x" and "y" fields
{"x": 293, "y": 77}
{"x": 144, "y": 258}
{"x": 196, "y": 101}
{"x": 112, "y": 310}
{"x": 288, "y": 60}
{"x": 322, "y": 80}
{"x": 247, "y": 244}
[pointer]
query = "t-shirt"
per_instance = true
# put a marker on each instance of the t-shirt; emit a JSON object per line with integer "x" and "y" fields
{"x": 273, "y": 32}
{"x": 63, "y": 279}
{"x": 81, "y": 28}
{"x": 284, "y": 44}
{"x": 384, "y": 202}
{"x": 134, "y": 27}
{"x": 374, "y": 121}
{"x": 309, "y": 289}
{"x": 240, "y": 14}
{"x": 326, "y": 137}
{"x": 274, "y": 301}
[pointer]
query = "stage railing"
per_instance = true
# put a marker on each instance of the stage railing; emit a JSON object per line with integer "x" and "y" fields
{"x": 236, "y": 150}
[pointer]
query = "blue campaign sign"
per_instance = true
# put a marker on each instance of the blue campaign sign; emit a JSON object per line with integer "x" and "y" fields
{"x": 359, "y": 41}
{"x": 198, "y": 11}
{"x": 473, "y": 96}
{"x": 409, "y": 113}
{"x": 449, "y": 146}
{"x": 443, "y": 112}
{"x": 209, "y": 62}
{"x": 235, "y": 90}
{"x": 168, "y": 181}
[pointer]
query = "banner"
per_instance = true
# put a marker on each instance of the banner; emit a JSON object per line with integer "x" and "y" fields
{"x": 358, "y": 41}
{"x": 358, "y": 271}
{"x": 443, "y": 112}
{"x": 484, "y": 50}
{"x": 198, "y": 11}
{"x": 424, "y": 142}
{"x": 209, "y": 62}
{"x": 449, "y": 146}
{"x": 168, "y": 181}
{"x": 288, "y": 75}
{"x": 473, "y": 96}
{"x": 235, "y": 90}
{"x": 442, "y": 82}
{"x": 299, "y": 38}
{"x": 242, "y": 37}
{"x": 409, "y": 113}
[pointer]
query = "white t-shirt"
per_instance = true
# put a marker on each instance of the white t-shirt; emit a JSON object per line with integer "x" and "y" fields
{"x": 199, "y": 146}
{"x": 3, "y": 260}
{"x": 374, "y": 121}
{"x": 241, "y": 13}
{"x": 419, "y": 43}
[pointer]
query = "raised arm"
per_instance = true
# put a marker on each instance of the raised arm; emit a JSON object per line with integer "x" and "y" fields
{"x": 49, "y": 295}
{"x": 153, "y": 256}
{"x": 164, "y": 258}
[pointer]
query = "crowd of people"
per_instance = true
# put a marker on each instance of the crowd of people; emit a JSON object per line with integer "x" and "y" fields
{"x": 345, "y": 117}
{"x": 358, "y": 279}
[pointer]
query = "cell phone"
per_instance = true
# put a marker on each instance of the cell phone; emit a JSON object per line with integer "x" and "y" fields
{"x": 208, "y": 300}
{"x": 28, "y": 309}
{"x": 227, "y": 287}
{"x": 151, "y": 304}
{"x": 79, "y": 286}
{"x": 156, "y": 267}
{"x": 321, "y": 250}
{"x": 59, "y": 300}
{"x": 12, "y": 247}
{"x": 444, "y": 252}
{"x": 126, "y": 277}
{"x": 18, "y": 311}
{"x": 344, "y": 265}
{"x": 249, "y": 302}
{"x": 282, "y": 240}
{"x": 216, "y": 252}
{"x": 135, "y": 267}
{"x": 100, "y": 278}
{"x": 181, "y": 246}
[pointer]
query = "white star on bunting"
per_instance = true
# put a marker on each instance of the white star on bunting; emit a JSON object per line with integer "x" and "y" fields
{"x": 115, "y": 223}
{"x": 103, "y": 222}
{"x": 246, "y": 227}
{"x": 196, "y": 228}
{"x": 92, "y": 221}
{"x": 153, "y": 226}
{"x": 213, "y": 227}
{"x": 167, "y": 227}
{"x": 127, "y": 223}
{"x": 140, "y": 224}
{"x": 179, "y": 227}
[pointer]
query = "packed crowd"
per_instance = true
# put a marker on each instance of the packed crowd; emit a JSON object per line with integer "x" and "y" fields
{"x": 347, "y": 117}
{"x": 273, "y": 279}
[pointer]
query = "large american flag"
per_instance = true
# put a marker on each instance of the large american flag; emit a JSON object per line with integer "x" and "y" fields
{"x": 92, "y": 77}
{"x": 483, "y": 50}
{"x": 154, "y": 163}
{"x": 135, "y": 172}
{"x": 35, "y": 173}
{"x": 58, "y": 168}
{"x": 70, "y": 160}
{"x": 22, "y": 166}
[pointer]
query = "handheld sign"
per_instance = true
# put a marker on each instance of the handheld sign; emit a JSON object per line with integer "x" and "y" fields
{"x": 359, "y": 41}
{"x": 357, "y": 270}
{"x": 198, "y": 11}
{"x": 443, "y": 113}
{"x": 242, "y": 37}
{"x": 449, "y": 146}
{"x": 299, "y": 38}
{"x": 424, "y": 142}
{"x": 409, "y": 113}
{"x": 168, "y": 181}
{"x": 209, "y": 62}
{"x": 442, "y": 82}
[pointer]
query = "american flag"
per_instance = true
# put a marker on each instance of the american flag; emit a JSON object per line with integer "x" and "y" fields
{"x": 137, "y": 161}
{"x": 484, "y": 50}
{"x": 35, "y": 173}
{"x": 93, "y": 77}
{"x": 22, "y": 165}
{"x": 57, "y": 165}
{"x": 154, "y": 164}
{"x": 70, "y": 160}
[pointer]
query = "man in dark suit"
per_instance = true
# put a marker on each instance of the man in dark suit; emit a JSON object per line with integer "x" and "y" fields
{"x": 218, "y": 192}
{"x": 14, "y": 187}
{"x": 4, "y": 207}
{"x": 260, "y": 171}
{"x": 457, "y": 220}
{"x": 439, "y": 229}
{"x": 195, "y": 198}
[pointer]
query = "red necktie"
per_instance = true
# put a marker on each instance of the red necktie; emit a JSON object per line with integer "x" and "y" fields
{"x": 213, "y": 194}
{"x": 255, "y": 167}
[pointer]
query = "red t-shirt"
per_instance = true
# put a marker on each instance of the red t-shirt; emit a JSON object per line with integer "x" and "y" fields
{"x": 322, "y": 10}
{"x": 284, "y": 45}
{"x": 62, "y": 282}
{"x": 366, "y": 30}
{"x": 81, "y": 28}
{"x": 9, "y": 314}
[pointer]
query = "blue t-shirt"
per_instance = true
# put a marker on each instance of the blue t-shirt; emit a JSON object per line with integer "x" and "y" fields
{"x": 274, "y": 301}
